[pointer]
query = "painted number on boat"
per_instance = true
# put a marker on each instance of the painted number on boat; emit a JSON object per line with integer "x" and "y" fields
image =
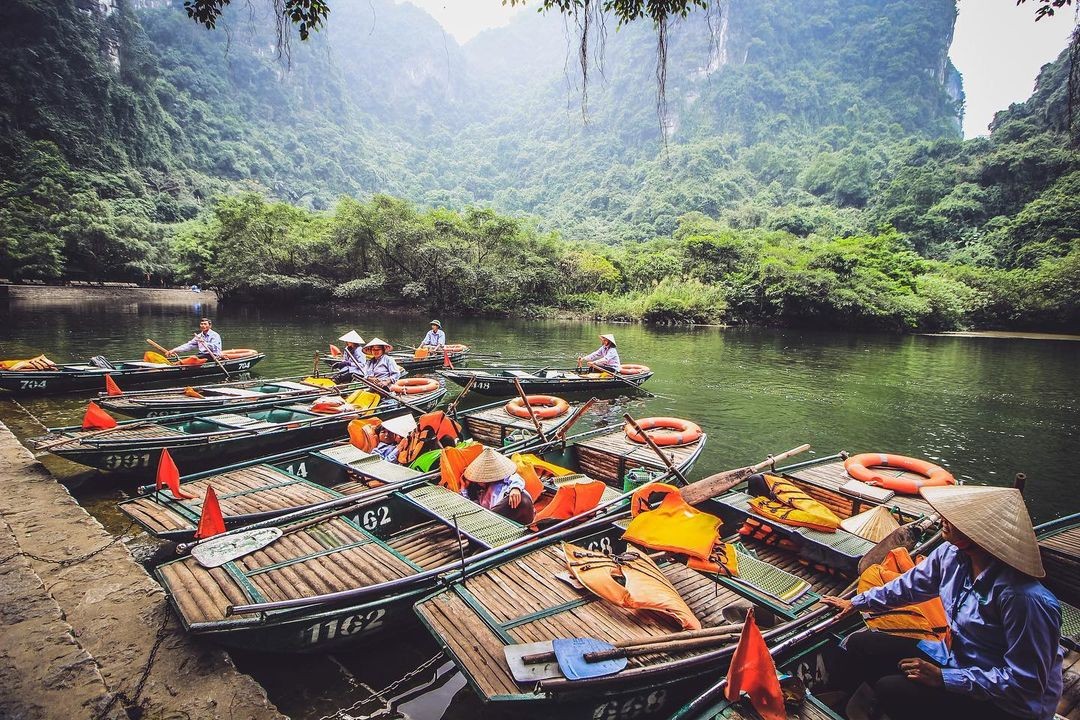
{"x": 636, "y": 706}
{"x": 33, "y": 384}
{"x": 812, "y": 672}
{"x": 243, "y": 366}
{"x": 343, "y": 627}
{"x": 127, "y": 461}
{"x": 298, "y": 470}
{"x": 376, "y": 518}
{"x": 479, "y": 385}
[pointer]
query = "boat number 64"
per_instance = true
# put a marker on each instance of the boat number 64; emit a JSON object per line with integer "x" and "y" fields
{"x": 127, "y": 460}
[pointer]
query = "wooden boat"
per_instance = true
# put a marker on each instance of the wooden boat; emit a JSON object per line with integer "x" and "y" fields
{"x": 209, "y": 439}
{"x": 333, "y": 579}
{"x": 261, "y": 489}
{"x": 242, "y": 394}
{"x": 76, "y": 377}
{"x": 1059, "y": 542}
{"x": 499, "y": 382}
{"x": 476, "y": 620}
{"x": 405, "y": 360}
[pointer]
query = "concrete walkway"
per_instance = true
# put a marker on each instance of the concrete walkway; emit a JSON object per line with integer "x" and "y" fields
{"x": 74, "y": 637}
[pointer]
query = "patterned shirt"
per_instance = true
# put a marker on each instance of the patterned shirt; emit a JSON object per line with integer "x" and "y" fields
{"x": 606, "y": 356}
{"x": 491, "y": 494}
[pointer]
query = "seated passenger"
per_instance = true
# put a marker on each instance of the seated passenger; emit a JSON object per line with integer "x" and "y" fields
{"x": 380, "y": 367}
{"x": 392, "y": 434}
{"x": 494, "y": 483}
{"x": 352, "y": 358}
{"x": 606, "y": 356}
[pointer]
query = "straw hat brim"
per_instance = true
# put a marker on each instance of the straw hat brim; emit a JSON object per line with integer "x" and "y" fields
{"x": 994, "y": 518}
{"x": 352, "y": 337}
{"x": 873, "y": 525}
{"x": 610, "y": 339}
{"x": 401, "y": 425}
{"x": 376, "y": 342}
{"x": 435, "y": 322}
{"x": 490, "y": 466}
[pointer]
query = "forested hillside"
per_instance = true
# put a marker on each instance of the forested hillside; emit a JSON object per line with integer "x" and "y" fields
{"x": 810, "y": 169}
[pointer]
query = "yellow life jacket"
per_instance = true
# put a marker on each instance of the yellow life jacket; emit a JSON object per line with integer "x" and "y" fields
{"x": 675, "y": 526}
{"x": 922, "y": 621}
{"x": 644, "y": 586}
{"x": 789, "y": 505}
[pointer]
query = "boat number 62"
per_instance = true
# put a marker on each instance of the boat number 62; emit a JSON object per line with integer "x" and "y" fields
{"x": 375, "y": 518}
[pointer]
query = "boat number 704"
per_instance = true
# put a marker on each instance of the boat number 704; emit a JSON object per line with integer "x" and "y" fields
{"x": 32, "y": 384}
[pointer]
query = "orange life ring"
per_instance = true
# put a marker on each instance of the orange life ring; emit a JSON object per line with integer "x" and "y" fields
{"x": 860, "y": 468}
{"x": 238, "y": 353}
{"x": 544, "y": 406}
{"x": 415, "y": 386}
{"x": 632, "y": 369}
{"x": 456, "y": 348}
{"x": 331, "y": 405}
{"x": 669, "y": 431}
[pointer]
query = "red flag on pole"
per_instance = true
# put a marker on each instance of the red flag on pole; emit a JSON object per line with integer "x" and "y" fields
{"x": 211, "y": 522}
{"x": 446, "y": 359}
{"x": 753, "y": 672}
{"x": 335, "y": 351}
{"x": 169, "y": 476}
{"x": 96, "y": 418}
{"x": 111, "y": 387}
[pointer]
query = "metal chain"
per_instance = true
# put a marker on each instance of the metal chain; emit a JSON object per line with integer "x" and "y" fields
{"x": 133, "y": 700}
{"x": 68, "y": 562}
{"x": 342, "y": 712}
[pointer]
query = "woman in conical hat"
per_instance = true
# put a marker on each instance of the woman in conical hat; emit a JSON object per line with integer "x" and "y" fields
{"x": 391, "y": 434}
{"x": 494, "y": 483}
{"x": 1003, "y": 660}
{"x": 380, "y": 367}
{"x": 606, "y": 356}
{"x": 352, "y": 359}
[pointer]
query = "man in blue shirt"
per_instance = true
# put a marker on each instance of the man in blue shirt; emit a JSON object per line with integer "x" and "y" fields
{"x": 206, "y": 341}
{"x": 1004, "y": 658}
{"x": 435, "y": 338}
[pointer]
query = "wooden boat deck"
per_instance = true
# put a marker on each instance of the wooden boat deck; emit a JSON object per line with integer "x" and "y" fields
{"x": 331, "y": 556}
{"x": 823, "y": 482}
{"x": 609, "y": 457}
{"x": 492, "y": 425}
{"x": 118, "y": 434}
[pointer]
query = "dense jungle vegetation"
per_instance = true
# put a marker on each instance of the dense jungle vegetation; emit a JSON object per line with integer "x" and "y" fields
{"x": 813, "y": 170}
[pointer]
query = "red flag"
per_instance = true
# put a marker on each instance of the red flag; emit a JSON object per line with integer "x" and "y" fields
{"x": 446, "y": 359}
{"x": 111, "y": 387}
{"x": 96, "y": 418}
{"x": 335, "y": 351}
{"x": 210, "y": 522}
{"x": 168, "y": 476}
{"x": 753, "y": 672}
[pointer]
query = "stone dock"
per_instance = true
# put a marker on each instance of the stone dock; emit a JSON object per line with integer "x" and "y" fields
{"x": 93, "y": 637}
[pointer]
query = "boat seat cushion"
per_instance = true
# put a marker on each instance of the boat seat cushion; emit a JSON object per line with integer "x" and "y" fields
{"x": 145, "y": 364}
{"x": 520, "y": 374}
{"x": 289, "y": 384}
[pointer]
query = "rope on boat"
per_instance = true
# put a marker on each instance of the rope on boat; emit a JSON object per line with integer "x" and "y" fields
{"x": 343, "y": 713}
{"x": 129, "y": 703}
{"x": 68, "y": 562}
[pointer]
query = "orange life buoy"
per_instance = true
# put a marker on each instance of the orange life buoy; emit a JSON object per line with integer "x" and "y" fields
{"x": 456, "y": 348}
{"x": 859, "y": 467}
{"x": 544, "y": 406}
{"x": 331, "y": 405}
{"x": 669, "y": 431}
{"x": 415, "y": 386}
{"x": 238, "y": 353}
{"x": 632, "y": 369}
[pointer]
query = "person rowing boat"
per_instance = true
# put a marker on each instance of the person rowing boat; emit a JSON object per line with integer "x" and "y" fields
{"x": 207, "y": 342}
{"x": 435, "y": 338}
{"x": 606, "y": 356}
{"x": 1004, "y": 660}
{"x": 352, "y": 358}
{"x": 379, "y": 367}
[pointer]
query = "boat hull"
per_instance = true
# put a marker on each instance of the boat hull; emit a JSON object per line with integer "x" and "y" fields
{"x": 503, "y": 386}
{"x": 406, "y": 361}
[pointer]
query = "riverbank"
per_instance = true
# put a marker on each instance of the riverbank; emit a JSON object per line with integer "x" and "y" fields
{"x": 84, "y": 630}
{"x": 67, "y": 294}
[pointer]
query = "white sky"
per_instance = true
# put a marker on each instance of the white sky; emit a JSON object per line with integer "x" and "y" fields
{"x": 998, "y": 47}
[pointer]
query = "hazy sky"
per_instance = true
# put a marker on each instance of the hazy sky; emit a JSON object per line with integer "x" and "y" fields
{"x": 998, "y": 47}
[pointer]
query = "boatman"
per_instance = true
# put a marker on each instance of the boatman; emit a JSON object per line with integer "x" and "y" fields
{"x": 206, "y": 342}
{"x": 1004, "y": 660}
{"x": 494, "y": 483}
{"x": 380, "y": 367}
{"x": 606, "y": 356}
{"x": 352, "y": 358}
{"x": 435, "y": 338}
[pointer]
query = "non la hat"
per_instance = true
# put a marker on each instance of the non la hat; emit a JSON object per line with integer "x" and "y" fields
{"x": 435, "y": 322}
{"x": 490, "y": 466}
{"x": 610, "y": 339}
{"x": 352, "y": 337}
{"x": 377, "y": 341}
{"x": 994, "y": 518}
{"x": 874, "y": 524}
{"x": 401, "y": 425}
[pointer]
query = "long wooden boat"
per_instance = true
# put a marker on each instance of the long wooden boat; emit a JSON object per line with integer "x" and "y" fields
{"x": 499, "y": 382}
{"x": 331, "y": 580}
{"x": 238, "y": 394}
{"x": 74, "y": 377}
{"x": 208, "y": 439}
{"x": 476, "y": 620}
{"x": 261, "y": 489}
{"x": 405, "y": 360}
{"x": 1059, "y": 542}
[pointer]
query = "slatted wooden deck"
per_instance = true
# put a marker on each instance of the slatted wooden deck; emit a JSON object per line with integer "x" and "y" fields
{"x": 490, "y": 426}
{"x": 121, "y": 432}
{"x": 823, "y": 483}
{"x": 608, "y": 457}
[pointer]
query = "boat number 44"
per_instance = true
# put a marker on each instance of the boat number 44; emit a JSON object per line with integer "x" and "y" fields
{"x": 343, "y": 627}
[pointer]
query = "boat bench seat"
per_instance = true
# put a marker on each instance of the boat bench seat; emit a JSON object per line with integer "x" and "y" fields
{"x": 841, "y": 549}
{"x": 289, "y": 384}
{"x": 87, "y": 368}
{"x": 145, "y": 364}
{"x": 474, "y": 522}
{"x": 240, "y": 422}
{"x": 237, "y": 392}
{"x": 1070, "y": 621}
{"x": 368, "y": 464}
{"x": 521, "y": 374}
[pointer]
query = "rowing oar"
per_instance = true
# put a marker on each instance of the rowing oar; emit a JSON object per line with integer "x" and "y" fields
{"x": 164, "y": 351}
{"x": 80, "y": 438}
{"x": 660, "y": 453}
{"x": 451, "y": 409}
{"x": 905, "y": 536}
{"x": 623, "y": 645}
{"x": 391, "y": 396}
{"x": 619, "y": 377}
{"x": 529, "y": 407}
{"x": 722, "y": 482}
{"x": 561, "y": 434}
{"x": 206, "y": 349}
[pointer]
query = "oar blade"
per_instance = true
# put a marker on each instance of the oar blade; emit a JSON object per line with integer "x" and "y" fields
{"x": 713, "y": 485}
{"x": 570, "y": 653}
{"x": 218, "y": 551}
{"x": 530, "y": 673}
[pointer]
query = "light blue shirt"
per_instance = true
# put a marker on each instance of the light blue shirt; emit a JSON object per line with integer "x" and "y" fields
{"x": 435, "y": 338}
{"x": 383, "y": 368}
{"x": 387, "y": 451}
{"x": 353, "y": 359}
{"x": 211, "y": 342}
{"x": 607, "y": 356}
{"x": 494, "y": 493}
{"x": 1006, "y": 629}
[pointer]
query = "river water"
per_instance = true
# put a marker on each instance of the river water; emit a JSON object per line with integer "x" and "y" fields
{"x": 984, "y": 407}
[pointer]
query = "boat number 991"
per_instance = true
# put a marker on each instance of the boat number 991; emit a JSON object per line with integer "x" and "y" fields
{"x": 127, "y": 461}
{"x": 343, "y": 627}
{"x": 633, "y": 707}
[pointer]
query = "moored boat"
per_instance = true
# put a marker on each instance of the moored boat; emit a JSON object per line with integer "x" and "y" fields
{"x": 500, "y": 382}
{"x": 74, "y": 377}
{"x": 214, "y": 438}
{"x": 409, "y": 360}
{"x": 330, "y": 579}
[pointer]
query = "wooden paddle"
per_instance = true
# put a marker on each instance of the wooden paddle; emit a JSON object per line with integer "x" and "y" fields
{"x": 619, "y": 377}
{"x": 633, "y": 643}
{"x": 391, "y": 396}
{"x": 719, "y": 483}
{"x": 561, "y": 434}
{"x": 164, "y": 351}
{"x": 529, "y": 407}
{"x": 206, "y": 349}
{"x": 451, "y": 409}
{"x": 660, "y": 453}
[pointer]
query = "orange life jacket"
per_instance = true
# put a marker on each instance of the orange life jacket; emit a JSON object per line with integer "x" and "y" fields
{"x": 364, "y": 433}
{"x": 434, "y": 430}
{"x": 452, "y": 465}
{"x": 922, "y": 621}
{"x": 572, "y": 498}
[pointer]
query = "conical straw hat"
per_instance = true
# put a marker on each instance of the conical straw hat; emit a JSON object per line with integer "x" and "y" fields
{"x": 490, "y": 466}
{"x": 610, "y": 339}
{"x": 353, "y": 337}
{"x": 401, "y": 425}
{"x": 874, "y": 524}
{"x": 376, "y": 341}
{"x": 995, "y": 519}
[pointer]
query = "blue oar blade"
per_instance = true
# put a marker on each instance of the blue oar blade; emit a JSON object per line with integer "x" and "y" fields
{"x": 570, "y": 652}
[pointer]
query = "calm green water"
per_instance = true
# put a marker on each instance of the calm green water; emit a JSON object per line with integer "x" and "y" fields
{"x": 985, "y": 408}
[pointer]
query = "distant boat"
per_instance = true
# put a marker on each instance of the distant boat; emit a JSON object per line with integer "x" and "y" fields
{"x": 500, "y": 381}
